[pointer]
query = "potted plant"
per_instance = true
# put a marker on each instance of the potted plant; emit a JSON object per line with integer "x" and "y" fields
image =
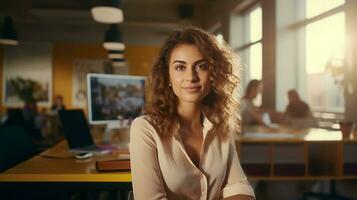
{"x": 338, "y": 68}
{"x": 26, "y": 89}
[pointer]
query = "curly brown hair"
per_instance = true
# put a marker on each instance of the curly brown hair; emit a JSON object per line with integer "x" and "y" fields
{"x": 219, "y": 106}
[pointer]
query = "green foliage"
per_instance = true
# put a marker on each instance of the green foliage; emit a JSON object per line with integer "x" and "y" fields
{"x": 25, "y": 88}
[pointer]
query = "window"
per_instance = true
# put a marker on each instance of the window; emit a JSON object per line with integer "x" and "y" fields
{"x": 250, "y": 50}
{"x": 255, "y": 60}
{"x": 324, "y": 44}
{"x": 316, "y": 7}
{"x": 219, "y": 38}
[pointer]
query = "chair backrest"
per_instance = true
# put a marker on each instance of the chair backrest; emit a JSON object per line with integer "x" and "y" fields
{"x": 15, "y": 146}
{"x": 14, "y": 117}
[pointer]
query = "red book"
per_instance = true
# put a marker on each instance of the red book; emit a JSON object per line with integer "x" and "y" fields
{"x": 113, "y": 165}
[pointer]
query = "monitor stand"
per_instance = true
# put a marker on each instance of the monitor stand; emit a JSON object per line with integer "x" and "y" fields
{"x": 108, "y": 130}
{"x": 110, "y": 127}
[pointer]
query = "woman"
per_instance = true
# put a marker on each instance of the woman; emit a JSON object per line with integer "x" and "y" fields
{"x": 250, "y": 113}
{"x": 182, "y": 148}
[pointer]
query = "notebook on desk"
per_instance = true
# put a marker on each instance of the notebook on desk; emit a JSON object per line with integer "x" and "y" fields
{"x": 267, "y": 120}
{"x": 77, "y": 132}
{"x": 113, "y": 165}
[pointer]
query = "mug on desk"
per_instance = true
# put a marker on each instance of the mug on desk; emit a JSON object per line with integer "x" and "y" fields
{"x": 120, "y": 138}
{"x": 346, "y": 128}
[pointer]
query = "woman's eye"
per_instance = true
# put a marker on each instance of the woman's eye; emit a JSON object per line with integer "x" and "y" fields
{"x": 202, "y": 67}
{"x": 179, "y": 67}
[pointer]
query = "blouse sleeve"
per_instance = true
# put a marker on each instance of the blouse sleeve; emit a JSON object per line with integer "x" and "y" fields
{"x": 146, "y": 174}
{"x": 235, "y": 181}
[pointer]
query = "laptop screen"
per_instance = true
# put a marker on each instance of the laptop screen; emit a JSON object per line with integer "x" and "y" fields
{"x": 75, "y": 128}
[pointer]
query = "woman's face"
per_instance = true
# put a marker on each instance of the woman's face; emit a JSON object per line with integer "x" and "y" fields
{"x": 257, "y": 90}
{"x": 189, "y": 74}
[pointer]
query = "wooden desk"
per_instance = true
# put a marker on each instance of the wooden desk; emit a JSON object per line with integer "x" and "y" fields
{"x": 285, "y": 154}
{"x": 57, "y": 166}
{"x": 277, "y": 149}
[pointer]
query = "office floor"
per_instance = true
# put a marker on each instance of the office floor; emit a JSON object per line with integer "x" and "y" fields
{"x": 291, "y": 190}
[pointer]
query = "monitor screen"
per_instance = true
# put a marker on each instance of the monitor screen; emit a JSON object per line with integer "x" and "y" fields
{"x": 114, "y": 97}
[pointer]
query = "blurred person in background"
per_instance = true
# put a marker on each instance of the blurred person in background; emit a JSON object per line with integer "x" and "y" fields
{"x": 58, "y": 103}
{"x": 297, "y": 113}
{"x": 250, "y": 113}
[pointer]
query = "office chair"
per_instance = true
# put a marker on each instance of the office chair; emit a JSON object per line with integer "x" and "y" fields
{"x": 15, "y": 146}
{"x": 14, "y": 118}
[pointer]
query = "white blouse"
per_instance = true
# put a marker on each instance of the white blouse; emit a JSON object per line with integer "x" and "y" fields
{"x": 161, "y": 168}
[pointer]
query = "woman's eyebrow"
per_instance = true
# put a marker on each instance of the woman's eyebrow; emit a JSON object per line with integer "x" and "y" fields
{"x": 179, "y": 61}
{"x": 200, "y": 61}
{"x": 195, "y": 63}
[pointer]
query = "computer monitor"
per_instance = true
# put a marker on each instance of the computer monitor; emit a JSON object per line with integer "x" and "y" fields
{"x": 114, "y": 98}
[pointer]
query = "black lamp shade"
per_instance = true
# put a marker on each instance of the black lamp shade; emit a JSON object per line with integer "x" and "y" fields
{"x": 113, "y": 34}
{"x": 8, "y": 33}
{"x": 116, "y": 54}
{"x": 118, "y": 60}
{"x": 113, "y": 39}
{"x": 109, "y": 3}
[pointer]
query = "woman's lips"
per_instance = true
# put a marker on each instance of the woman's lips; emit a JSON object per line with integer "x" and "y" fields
{"x": 192, "y": 88}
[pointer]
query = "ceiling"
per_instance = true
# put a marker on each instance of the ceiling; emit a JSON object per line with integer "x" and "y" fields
{"x": 145, "y": 21}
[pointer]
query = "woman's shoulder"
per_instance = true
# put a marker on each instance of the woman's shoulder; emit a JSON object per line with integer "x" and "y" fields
{"x": 143, "y": 125}
{"x": 142, "y": 121}
{"x": 142, "y": 131}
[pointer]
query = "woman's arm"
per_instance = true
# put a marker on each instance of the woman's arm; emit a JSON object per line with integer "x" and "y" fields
{"x": 257, "y": 117}
{"x": 145, "y": 170}
{"x": 239, "y": 197}
{"x": 236, "y": 185}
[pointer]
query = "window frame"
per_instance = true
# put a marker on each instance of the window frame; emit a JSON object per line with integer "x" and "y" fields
{"x": 243, "y": 49}
{"x": 300, "y": 26}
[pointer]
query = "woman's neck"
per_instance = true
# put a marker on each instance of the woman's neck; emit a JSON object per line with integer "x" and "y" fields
{"x": 190, "y": 115}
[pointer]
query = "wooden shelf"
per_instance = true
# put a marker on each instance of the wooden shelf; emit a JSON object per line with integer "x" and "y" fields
{"x": 289, "y": 170}
{"x": 257, "y": 169}
{"x": 308, "y": 156}
{"x": 350, "y": 169}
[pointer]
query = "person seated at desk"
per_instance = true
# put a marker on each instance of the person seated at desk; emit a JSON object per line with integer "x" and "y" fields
{"x": 186, "y": 128}
{"x": 297, "y": 113}
{"x": 251, "y": 114}
{"x": 58, "y": 104}
{"x": 33, "y": 119}
{"x": 28, "y": 118}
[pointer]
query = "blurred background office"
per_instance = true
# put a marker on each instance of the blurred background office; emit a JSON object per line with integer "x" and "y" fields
{"x": 303, "y": 53}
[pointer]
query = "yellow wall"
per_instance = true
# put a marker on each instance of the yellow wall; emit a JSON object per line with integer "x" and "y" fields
{"x": 63, "y": 56}
{"x": 140, "y": 59}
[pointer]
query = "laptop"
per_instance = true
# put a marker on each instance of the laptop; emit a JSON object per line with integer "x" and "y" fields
{"x": 77, "y": 132}
{"x": 267, "y": 120}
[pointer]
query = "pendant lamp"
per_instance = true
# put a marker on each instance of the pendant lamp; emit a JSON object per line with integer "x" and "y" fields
{"x": 115, "y": 54}
{"x": 8, "y": 33}
{"x": 113, "y": 39}
{"x": 119, "y": 62}
{"x": 107, "y": 11}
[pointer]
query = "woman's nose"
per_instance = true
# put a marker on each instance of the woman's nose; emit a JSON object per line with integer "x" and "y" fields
{"x": 192, "y": 76}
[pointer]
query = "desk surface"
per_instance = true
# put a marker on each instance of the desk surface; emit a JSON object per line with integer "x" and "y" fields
{"x": 285, "y": 154}
{"x": 59, "y": 165}
{"x": 285, "y": 135}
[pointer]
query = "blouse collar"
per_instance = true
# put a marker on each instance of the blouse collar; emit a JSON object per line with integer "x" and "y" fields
{"x": 207, "y": 126}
